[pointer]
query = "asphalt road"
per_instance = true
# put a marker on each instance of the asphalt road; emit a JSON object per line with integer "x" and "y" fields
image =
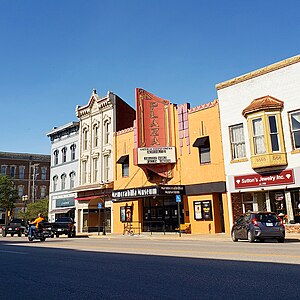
{"x": 133, "y": 268}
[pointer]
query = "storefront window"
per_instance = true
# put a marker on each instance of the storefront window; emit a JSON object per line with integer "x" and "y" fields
{"x": 295, "y": 195}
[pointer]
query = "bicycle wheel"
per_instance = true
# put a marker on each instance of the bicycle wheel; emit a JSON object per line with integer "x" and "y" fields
{"x": 131, "y": 232}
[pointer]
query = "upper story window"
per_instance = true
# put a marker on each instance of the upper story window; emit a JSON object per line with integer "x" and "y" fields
{"x": 84, "y": 172}
{"x": 73, "y": 152}
{"x": 72, "y": 179}
{"x": 3, "y": 170}
{"x": 20, "y": 190}
{"x": 106, "y": 167}
{"x": 265, "y": 132}
{"x": 44, "y": 173}
{"x": 124, "y": 161}
{"x": 63, "y": 181}
{"x": 55, "y": 157}
{"x": 203, "y": 145}
{"x": 106, "y": 132}
{"x": 64, "y": 154}
{"x": 258, "y": 136}
{"x": 95, "y": 169}
{"x": 85, "y": 139}
{"x": 21, "y": 172}
{"x": 55, "y": 181}
{"x": 12, "y": 171}
{"x": 237, "y": 141}
{"x": 295, "y": 128}
{"x": 274, "y": 134}
{"x": 43, "y": 192}
{"x": 95, "y": 135}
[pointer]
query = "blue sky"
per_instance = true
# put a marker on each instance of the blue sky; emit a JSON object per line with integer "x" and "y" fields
{"x": 53, "y": 53}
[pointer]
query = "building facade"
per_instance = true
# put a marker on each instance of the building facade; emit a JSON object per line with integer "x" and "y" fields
{"x": 169, "y": 169}
{"x": 260, "y": 121}
{"x": 64, "y": 170}
{"x": 98, "y": 120}
{"x": 30, "y": 174}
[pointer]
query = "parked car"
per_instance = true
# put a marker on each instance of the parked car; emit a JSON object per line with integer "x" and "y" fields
{"x": 258, "y": 226}
{"x": 15, "y": 226}
{"x": 64, "y": 225}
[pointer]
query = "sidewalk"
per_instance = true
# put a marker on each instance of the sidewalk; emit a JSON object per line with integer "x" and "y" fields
{"x": 171, "y": 236}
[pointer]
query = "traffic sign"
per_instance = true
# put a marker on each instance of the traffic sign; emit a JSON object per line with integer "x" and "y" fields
{"x": 178, "y": 198}
{"x": 99, "y": 205}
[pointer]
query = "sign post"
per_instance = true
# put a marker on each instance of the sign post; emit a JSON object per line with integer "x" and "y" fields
{"x": 178, "y": 200}
{"x": 99, "y": 207}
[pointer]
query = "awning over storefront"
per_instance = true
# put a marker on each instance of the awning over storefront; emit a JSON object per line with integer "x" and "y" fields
{"x": 87, "y": 198}
{"x": 61, "y": 211}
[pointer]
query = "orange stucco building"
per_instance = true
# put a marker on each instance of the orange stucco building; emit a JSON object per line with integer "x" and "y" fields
{"x": 169, "y": 169}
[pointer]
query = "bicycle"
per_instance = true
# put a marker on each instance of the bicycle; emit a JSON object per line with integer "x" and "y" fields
{"x": 128, "y": 230}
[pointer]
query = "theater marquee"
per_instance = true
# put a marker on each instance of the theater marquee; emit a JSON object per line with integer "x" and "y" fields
{"x": 159, "y": 155}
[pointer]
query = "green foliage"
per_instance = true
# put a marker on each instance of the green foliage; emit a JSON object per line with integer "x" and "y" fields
{"x": 8, "y": 193}
{"x": 33, "y": 209}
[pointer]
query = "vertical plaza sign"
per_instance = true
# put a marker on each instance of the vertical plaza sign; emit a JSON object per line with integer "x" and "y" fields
{"x": 154, "y": 144}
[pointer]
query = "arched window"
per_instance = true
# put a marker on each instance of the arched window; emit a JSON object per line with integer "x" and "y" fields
{"x": 55, "y": 157}
{"x": 72, "y": 179}
{"x": 64, "y": 154}
{"x": 73, "y": 153}
{"x": 95, "y": 135}
{"x": 63, "y": 181}
{"x": 106, "y": 132}
{"x": 85, "y": 139}
{"x": 55, "y": 181}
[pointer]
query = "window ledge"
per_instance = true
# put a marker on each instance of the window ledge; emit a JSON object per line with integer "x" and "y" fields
{"x": 233, "y": 161}
{"x": 295, "y": 151}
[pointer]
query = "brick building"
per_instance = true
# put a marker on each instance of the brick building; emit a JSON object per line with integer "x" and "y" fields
{"x": 30, "y": 173}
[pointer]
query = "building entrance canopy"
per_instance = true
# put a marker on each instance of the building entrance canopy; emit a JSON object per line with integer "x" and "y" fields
{"x": 163, "y": 190}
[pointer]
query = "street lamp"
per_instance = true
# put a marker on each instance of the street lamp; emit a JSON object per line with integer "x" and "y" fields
{"x": 24, "y": 199}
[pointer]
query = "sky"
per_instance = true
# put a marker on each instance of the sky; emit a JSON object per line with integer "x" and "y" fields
{"x": 53, "y": 53}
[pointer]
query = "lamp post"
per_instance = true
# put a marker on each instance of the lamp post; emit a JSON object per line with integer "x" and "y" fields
{"x": 24, "y": 199}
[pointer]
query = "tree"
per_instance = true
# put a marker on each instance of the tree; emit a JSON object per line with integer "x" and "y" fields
{"x": 33, "y": 209}
{"x": 8, "y": 194}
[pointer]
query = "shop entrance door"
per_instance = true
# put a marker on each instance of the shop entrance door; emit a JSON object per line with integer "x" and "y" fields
{"x": 160, "y": 214}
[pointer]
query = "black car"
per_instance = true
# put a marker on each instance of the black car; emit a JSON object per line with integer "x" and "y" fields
{"x": 64, "y": 225}
{"x": 15, "y": 226}
{"x": 253, "y": 226}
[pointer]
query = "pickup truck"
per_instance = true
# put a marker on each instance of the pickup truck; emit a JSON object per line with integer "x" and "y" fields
{"x": 15, "y": 226}
{"x": 64, "y": 225}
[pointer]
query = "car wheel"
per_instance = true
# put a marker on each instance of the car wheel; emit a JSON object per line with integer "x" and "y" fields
{"x": 43, "y": 239}
{"x": 30, "y": 239}
{"x": 281, "y": 240}
{"x": 57, "y": 235}
{"x": 12, "y": 234}
{"x": 233, "y": 236}
{"x": 250, "y": 237}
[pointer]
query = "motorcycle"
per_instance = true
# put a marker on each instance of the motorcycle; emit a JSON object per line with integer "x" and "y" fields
{"x": 40, "y": 233}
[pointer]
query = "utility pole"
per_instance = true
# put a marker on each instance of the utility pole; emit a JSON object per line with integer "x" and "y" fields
{"x": 33, "y": 181}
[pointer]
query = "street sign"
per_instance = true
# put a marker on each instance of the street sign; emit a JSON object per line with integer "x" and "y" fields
{"x": 99, "y": 205}
{"x": 178, "y": 198}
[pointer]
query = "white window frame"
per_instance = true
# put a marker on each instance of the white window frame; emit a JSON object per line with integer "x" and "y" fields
{"x": 237, "y": 142}
{"x": 293, "y": 130}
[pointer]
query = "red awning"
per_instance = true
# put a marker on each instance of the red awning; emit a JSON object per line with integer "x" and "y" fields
{"x": 88, "y": 198}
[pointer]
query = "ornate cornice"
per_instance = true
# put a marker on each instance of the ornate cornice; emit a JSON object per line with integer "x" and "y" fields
{"x": 259, "y": 72}
{"x": 125, "y": 131}
{"x": 204, "y": 106}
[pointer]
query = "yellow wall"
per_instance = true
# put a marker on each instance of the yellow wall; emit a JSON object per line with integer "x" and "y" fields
{"x": 187, "y": 170}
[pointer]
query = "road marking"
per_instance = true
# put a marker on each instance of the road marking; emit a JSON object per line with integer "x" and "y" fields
{"x": 13, "y": 252}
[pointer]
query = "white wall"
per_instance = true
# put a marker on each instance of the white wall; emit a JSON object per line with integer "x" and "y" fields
{"x": 283, "y": 84}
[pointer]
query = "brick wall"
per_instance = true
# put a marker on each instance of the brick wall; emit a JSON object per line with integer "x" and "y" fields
{"x": 237, "y": 208}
